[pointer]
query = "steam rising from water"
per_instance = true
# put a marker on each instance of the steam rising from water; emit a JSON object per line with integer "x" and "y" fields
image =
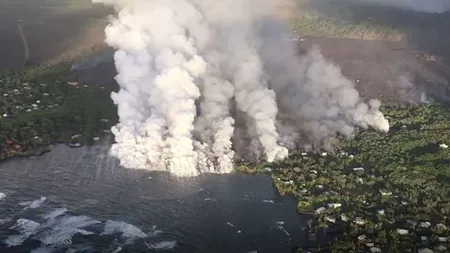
{"x": 202, "y": 80}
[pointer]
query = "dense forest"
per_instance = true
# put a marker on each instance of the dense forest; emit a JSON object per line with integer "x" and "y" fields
{"x": 39, "y": 107}
{"x": 383, "y": 192}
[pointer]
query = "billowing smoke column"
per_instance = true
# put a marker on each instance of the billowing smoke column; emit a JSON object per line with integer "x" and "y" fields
{"x": 204, "y": 82}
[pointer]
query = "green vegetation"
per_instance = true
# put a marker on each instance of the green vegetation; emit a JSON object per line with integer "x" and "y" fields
{"x": 387, "y": 192}
{"x": 47, "y": 105}
{"x": 55, "y": 5}
{"x": 313, "y": 24}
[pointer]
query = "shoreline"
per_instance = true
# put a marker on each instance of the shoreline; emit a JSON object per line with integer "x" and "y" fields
{"x": 311, "y": 238}
{"x": 401, "y": 187}
{"x": 289, "y": 176}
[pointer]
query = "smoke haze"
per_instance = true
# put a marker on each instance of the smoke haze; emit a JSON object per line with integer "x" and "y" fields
{"x": 432, "y": 6}
{"x": 203, "y": 83}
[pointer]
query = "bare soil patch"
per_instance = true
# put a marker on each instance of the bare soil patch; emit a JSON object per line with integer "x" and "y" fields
{"x": 51, "y": 35}
{"x": 382, "y": 68}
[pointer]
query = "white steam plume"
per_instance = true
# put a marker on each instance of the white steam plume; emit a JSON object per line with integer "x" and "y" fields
{"x": 314, "y": 96}
{"x": 201, "y": 80}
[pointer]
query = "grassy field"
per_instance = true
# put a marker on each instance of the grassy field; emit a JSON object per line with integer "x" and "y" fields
{"x": 384, "y": 192}
{"x": 316, "y": 19}
{"x": 362, "y": 20}
{"x": 54, "y": 5}
{"x": 310, "y": 23}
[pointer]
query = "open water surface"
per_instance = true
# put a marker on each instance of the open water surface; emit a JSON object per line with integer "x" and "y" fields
{"x": 80, "y": 200}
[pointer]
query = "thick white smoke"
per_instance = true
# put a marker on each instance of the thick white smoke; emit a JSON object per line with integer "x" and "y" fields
{"x": 201, "y": 80}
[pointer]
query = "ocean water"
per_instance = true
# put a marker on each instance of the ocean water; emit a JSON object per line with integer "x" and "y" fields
{"x": 80, "y": 200}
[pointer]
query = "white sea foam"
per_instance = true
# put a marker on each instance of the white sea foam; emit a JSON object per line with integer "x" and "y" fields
{"x": 33, "y": 204}
{"x": 127, "y": 231}
{"x": 26, "y": 228}
{"x": 154, "y": 231}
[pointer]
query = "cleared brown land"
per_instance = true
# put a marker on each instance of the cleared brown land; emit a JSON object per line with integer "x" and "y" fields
{"x": 393, "y": 70}
{"x": 379, "y": 68}
{"x": 53, "y": 32}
